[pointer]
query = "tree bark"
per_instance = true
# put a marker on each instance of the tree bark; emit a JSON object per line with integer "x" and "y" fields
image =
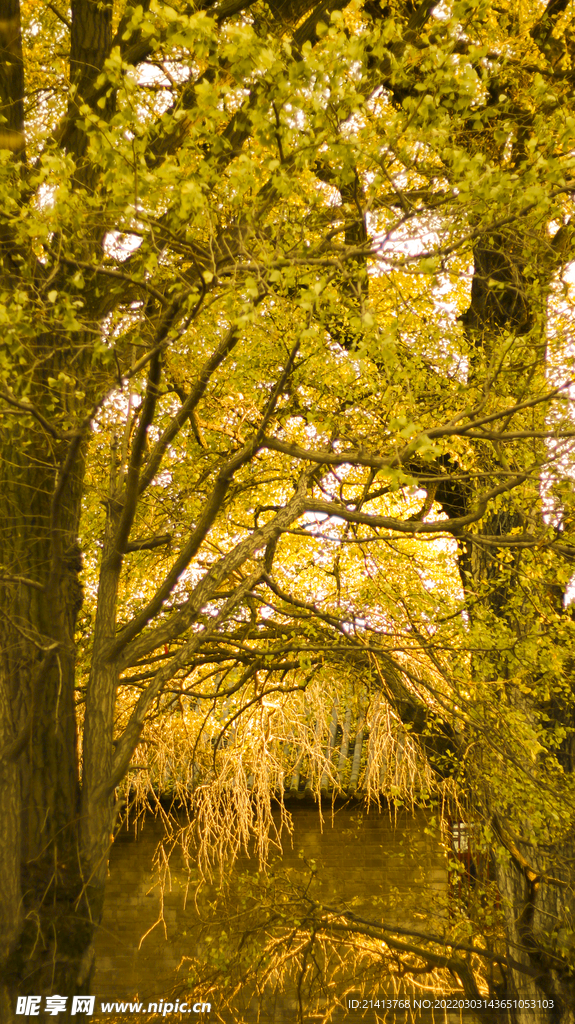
{"x": 538, "y": 911}
{"x": 47, "y": 899}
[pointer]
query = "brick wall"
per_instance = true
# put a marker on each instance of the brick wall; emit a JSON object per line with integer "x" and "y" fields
{"x": 384, "y": 865}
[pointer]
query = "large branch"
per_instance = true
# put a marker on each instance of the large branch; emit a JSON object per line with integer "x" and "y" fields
{"x": 130, "y": 496}
{"x": 456, "y": 965}
{"x": 384, "y": 929}
{"x": 453, "y": 526}
{"x": 211, "y": 509}
{"x": 454, "y": 428}
{"x": 205, "y": 591}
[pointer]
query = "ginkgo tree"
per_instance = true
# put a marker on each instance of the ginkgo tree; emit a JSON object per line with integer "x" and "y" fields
{"x": 284, "y": 283}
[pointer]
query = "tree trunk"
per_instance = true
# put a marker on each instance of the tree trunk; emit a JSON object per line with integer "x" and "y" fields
{"x": 539, "y": 917}
{"x": 538, "y": 911}
{"x": 48, "y": 900}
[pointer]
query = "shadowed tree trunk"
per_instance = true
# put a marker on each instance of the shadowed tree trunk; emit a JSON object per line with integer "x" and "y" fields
{"x": 40, "y": 508}
{"x": 535, "y": 878}
{"x": 50, "y": 905}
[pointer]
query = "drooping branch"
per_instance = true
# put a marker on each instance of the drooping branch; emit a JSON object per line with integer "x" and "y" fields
{"x": 128, "y": 741}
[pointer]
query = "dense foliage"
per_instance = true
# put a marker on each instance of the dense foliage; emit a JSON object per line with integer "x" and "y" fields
{"x": 285, "y": 406}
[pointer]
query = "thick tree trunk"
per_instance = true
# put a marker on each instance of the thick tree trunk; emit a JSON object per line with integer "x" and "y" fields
{"x": 538, "y": 910}
{"x": 49, "y": 905}
{"x": 51, "y": 886}
{"x": 539, "y": 918}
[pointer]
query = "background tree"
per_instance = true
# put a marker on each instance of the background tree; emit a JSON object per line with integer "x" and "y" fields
{"x": 270, "y": 271}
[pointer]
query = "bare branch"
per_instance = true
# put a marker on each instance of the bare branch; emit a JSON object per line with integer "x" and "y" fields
{"x": 205, "y": 589}
{"x": 117, "y": 275}
{"x": 148, "y": 543}
{"x": 453, "y": 526}
{"x": 33, "y": 411}
{"x": 21, "y": 580}
{"x": 212, "y": 363}
{"x": 130, "y": 496}
{"x": 203, "y": 526}
{"x": 61, "y": 17}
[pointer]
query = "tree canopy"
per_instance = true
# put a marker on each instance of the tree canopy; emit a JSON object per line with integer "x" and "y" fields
{"x": 285, "y": 397}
